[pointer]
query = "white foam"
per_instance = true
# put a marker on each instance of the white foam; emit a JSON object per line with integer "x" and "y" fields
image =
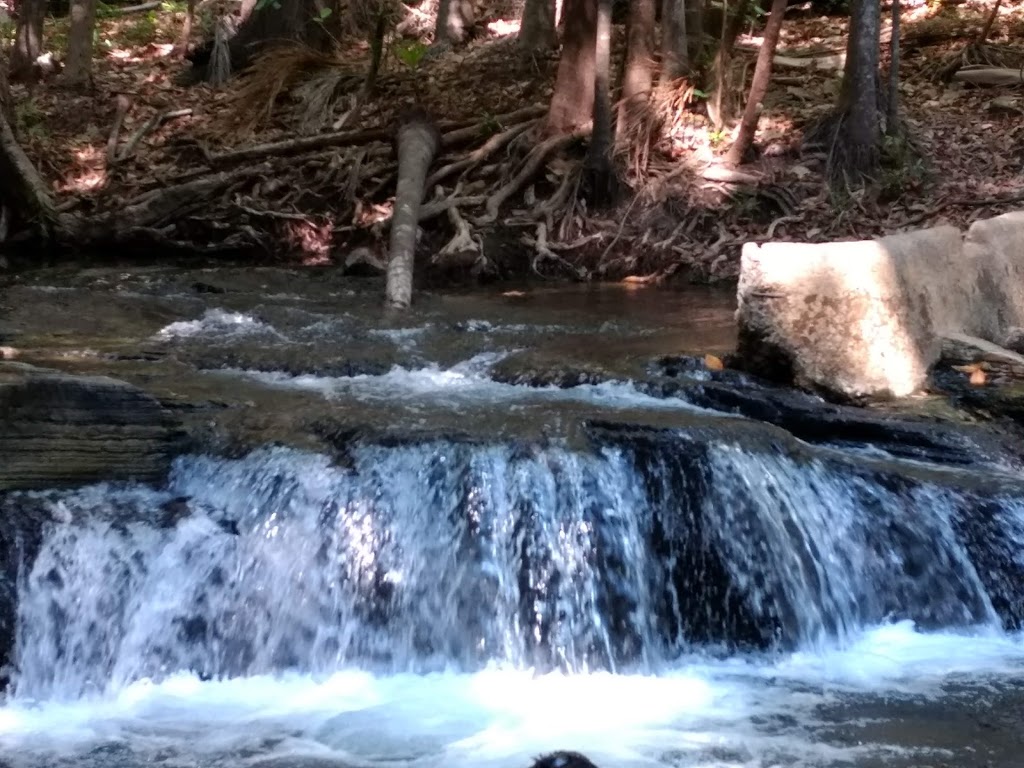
{"x": 501, "y": 718}
{"x": 464, "y": 383}
{"x": 216, "y": 322}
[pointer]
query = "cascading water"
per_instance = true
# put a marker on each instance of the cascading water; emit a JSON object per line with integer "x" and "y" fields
{"x": 601, "y": 567}
{"x": 446, "y": 555}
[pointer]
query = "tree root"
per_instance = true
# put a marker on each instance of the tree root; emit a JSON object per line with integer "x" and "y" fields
{"x": 530, "y": 168}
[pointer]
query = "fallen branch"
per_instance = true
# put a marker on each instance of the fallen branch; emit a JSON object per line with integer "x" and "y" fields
{"x": 534, "y": 162}
{"x": 153, "y": 122}
{"x": 453, "y": 138}
{"x": 140, "y": 8}
{"x": 994, "y": 76}
{"x": 156, "y": 207}
{"x": 459, "y": 135}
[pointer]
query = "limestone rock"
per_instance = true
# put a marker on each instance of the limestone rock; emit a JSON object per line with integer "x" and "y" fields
{"x": 61, "y": 430}
{"x": 852, "y": 318}
{"x": 996, "y": 247}
{"x": 1013, "y": 340}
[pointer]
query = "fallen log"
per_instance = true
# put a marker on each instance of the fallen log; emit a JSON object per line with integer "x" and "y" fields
{"x": 992, "y": 76}
{"x": 417, "y": 142}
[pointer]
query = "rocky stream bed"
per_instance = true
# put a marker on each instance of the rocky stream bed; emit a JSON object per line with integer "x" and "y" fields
{"x": 552, "y": 481}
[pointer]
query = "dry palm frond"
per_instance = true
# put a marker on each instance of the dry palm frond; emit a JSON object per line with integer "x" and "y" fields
{"x": 274, "y": 72}
{"x": 317, "y": 96}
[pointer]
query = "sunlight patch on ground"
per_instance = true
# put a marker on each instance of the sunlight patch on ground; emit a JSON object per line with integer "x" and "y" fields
{"x": 88, "y": 173}
{"x": 503, "y": 27}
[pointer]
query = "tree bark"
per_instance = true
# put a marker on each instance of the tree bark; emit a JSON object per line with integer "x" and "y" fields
{"x": 758, "y": 85}
{"x": 572, "y": 103}
{"x": 892, "y": 115}
{"x": 23, "y": 192}
{"x": 454, "y": 21}
{"x": 674, "y": 51}
{"x": 537, "y": 29}
{"x": 599, "y": 167}
{"x": 720, "y": 104}
{"x": 417, "y": 142}
{"x": 28, "y": 40}
{"x": 78, "y": 67}
{"x": 638, "y": 76}
{"x": 858, "y": 98}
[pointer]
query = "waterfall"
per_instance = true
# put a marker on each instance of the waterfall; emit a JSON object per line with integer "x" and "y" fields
{"x": 435, "y": 555}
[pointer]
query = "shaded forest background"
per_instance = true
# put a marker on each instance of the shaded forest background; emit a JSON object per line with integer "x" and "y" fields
{"x": 579, "y": 139}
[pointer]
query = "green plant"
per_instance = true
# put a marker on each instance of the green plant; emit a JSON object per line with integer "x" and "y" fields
{"x": 410, "y": 52}
{"x": 717, "y": 135}
{"x": 29, "y": 119}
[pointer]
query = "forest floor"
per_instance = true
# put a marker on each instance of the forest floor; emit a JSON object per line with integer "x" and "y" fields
{"x": 286, "y": 177}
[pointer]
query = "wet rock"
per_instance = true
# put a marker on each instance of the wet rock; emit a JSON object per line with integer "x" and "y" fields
{"x": 60, "y": 430}
{"x": 563, "y": 760}
{"x": 1013, "y": 340}
{"x": 854, "y": 319}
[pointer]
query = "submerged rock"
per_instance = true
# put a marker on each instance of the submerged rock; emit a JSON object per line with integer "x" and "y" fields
{"x": 563, "y": 759}
{"x": 59, "y": 430}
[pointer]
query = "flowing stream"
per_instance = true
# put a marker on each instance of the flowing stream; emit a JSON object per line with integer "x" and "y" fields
{"x": 636, "y": 576}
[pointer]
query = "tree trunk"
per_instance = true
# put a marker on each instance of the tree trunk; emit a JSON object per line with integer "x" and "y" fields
{"x": 759, "y": 84}
{"x": 892, "y": 117}
{"x": 23, "y": 192}
{"x": 28, "y": 40}
{"x": 78, "y": 67}
{"x": 600, "y": 169}
{"x": 418, "y": 141}
{"x": 186, "y": 29}
{"x": 572, "y": 103}
{"x": 674, "y": 53}
{"x": 537, "y": 29}
{"x": 639, "y": 68}
{"x": 454, "y": 21}
{"x": 721, "y": 103}
{"x": 858, "y": 99}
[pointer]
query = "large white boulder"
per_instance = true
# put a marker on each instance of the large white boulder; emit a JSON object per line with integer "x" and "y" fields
{"x": 858, "y": 319}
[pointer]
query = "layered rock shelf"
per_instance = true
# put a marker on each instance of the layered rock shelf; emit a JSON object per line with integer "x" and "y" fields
{"x": 61, "y": 430}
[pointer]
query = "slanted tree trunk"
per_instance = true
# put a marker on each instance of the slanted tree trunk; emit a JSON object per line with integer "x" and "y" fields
{"x": 537, "y": 29}
{"x": 892, "y": 115}
{"x": 78, "y": 67}
{"x": 859, "y": 134}
{"x": 417, "y": 142}
{"x": 638, "y": 75}
{"x": 599, "y": 166}
{"x": 28, "y": 40}
{"x": 674, "y": 49}
{"x": 572, "y": 102}
{"x": 23, "y": 191}
{"x": 454, "y": 21}
{"x": 758, "y": 85}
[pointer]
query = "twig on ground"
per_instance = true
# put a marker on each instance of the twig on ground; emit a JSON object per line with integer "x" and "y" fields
{"x": 115, "y": 130}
